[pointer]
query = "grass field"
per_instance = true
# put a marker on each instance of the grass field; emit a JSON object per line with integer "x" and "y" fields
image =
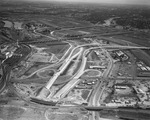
{"x": 142, "y": 56}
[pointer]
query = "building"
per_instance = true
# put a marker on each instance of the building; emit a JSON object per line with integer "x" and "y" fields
{"x": 122, "y": 89}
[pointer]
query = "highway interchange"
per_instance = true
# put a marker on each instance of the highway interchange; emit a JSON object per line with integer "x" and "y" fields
{"x": 74, "y": 61}
{"x": 82, "y": 53}
{"x": 77, "y": 52}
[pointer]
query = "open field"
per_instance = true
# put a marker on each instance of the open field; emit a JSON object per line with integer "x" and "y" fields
{"x": 141, "y": 56}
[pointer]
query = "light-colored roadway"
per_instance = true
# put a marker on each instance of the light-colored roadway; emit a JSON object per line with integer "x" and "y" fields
{"x": 63, "y": 67}
{"x": 97, "y": 92}
{"x": 75, "y": 79}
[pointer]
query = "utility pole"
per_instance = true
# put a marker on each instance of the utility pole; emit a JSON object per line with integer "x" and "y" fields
{"x": 134, "y": 69}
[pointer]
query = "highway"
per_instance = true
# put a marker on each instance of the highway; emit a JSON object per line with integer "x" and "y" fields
{"x": 73, "y": 81}
{"x": 62, "y": 68}
{"x": 124, "y": 47}
{"x": 97, "y": 92}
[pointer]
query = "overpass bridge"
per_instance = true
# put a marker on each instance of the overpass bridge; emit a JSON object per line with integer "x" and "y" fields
{"x": 104, "y": 46}
{"x": 118, "y": 78}
{"x": 125, "y": 47}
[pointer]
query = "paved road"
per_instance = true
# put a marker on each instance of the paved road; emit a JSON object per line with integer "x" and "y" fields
{"x": 97, "y": 92}
{"x": 124, "y": 47}
{"x": 61, "y": 69}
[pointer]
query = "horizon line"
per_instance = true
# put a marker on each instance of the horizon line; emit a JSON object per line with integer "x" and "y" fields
{"x": 74, "y": 2}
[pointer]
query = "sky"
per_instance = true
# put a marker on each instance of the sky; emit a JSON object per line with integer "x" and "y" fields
{"x": 147, "y": 2}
